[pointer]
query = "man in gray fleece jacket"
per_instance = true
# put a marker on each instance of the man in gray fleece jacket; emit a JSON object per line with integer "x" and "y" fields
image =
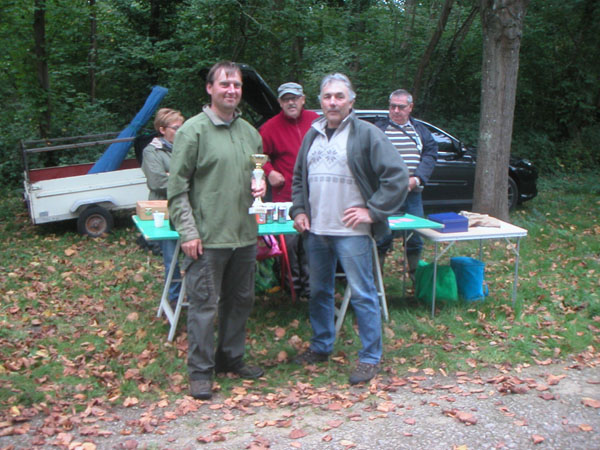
{"x": 348, "y": 180}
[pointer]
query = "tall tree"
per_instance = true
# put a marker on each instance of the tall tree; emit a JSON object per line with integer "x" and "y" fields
{"x": 433, "y": 42}
{"x": 93, "y": 51}
{"x": 41, "y": 63}
{"x": 502, "y": 25}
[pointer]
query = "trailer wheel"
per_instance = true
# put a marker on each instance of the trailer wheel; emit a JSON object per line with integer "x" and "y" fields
{"x": 95, "y": 221}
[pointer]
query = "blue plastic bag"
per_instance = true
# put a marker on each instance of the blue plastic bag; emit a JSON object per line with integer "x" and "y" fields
{"x": 470, "y": 279}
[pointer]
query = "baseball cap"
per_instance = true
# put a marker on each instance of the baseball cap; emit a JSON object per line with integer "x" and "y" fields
{"x": 290, "y": 88}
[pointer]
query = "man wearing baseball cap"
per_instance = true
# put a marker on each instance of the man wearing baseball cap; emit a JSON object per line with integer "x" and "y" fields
{"x": 282, "y": 136}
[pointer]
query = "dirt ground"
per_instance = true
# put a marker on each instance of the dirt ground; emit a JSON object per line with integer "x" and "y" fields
{"x": 547, "y": 406}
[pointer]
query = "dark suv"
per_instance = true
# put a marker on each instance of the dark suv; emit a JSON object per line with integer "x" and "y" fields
{"x": 450, "y": 187}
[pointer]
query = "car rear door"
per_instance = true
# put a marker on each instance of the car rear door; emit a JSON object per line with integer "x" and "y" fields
{"x": 450, "y": 186}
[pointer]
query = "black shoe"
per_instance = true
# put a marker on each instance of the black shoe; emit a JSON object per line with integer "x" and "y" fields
{"x": 310, "y": 357}
{"x": 248, "y": 372}
{"x": 201, "y": 389}
{"x": 363, "y": 372}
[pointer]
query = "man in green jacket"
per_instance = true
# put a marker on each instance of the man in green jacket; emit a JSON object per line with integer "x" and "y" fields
{"x": 210, "y": 191}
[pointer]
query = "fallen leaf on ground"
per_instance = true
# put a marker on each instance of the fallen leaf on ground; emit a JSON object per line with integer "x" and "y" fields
{"x": 297, "y": 434}
{"x": 130, "y": 444}
{"x": 462, "y": 416}
{"x": 537, "y": 439}
{"x": 279, "y": 332}
{"x": 130, "y": 401}
{"x": 554, "y": 379}
{"x": 591, "y": 402}
{"x": 334, "y": 423}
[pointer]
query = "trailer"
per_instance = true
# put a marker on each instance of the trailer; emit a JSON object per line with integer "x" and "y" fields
{"x": 66, "y": 192}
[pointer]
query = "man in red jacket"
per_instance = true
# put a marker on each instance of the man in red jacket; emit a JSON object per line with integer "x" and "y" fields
{"x": 282, "y": 136}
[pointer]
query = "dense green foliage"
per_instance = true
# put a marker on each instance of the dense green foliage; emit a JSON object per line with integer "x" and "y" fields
{"x": 378, "y": 43}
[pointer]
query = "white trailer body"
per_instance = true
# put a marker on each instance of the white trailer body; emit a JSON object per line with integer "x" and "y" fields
{"x": 64, "y": 198}
{"x": 69, "y": 192}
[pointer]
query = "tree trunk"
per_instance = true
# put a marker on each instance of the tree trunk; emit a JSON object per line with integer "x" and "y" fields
{"x": 447, "y": 61}
{"x": 437, "y": 34}
{"x": 93, "y": 51}
{"x": 41, "y": 63}
{"x": 502, "y": 25}
{"x": 410, "y": 7}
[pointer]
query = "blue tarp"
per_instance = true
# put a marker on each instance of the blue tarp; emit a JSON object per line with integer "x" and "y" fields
{"x": 114, "y": 155}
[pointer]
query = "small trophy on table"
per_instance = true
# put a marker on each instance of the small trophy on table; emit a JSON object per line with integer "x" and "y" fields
{"x": 258, "y": 207}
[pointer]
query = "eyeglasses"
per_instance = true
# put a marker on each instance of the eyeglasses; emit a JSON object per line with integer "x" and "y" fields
{"x": 175, "y": 128}
{"x": 400, "y": 107}
{"x": 291, "y": 98}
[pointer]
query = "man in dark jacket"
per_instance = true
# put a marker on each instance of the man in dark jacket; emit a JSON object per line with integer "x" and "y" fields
{"x": 347, "y": 180}
{"x": 419, "y": 150}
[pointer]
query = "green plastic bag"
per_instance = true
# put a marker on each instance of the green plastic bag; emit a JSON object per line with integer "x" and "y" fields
{"x": 446, "y": 290}
{"x": 266, "y": 276}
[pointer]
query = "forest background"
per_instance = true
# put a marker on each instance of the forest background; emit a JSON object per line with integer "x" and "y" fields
{"x": 75, "y": 67}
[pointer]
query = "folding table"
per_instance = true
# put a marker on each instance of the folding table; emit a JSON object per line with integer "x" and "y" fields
{"x": 151, "y": 233}
{"x": 505, "y": 231}
{"x": 406, "y": 222}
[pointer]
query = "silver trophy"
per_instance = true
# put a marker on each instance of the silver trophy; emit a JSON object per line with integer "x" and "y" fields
{"x": 259, "y": 159}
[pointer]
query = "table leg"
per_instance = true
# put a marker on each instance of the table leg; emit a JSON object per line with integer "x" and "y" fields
{"x": 379, "y": 281}
{"x": 405, "y": 238}
{"x": 515, "y": 282}
{"x": 286, "y": 270}
{"x": 435, "y": 261}
{"x": 177, "y": 312}
{"x": 340, "y": 313}
{"x": 164, "y": 299}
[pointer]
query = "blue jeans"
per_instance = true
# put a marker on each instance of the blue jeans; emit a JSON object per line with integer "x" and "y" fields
{"x": 168, "y": 248}
{"x": 355, "y": 255}
{"x": 412, "y": 205}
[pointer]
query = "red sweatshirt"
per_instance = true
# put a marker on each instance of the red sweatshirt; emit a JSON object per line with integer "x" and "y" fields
{"x": 281, "y": 141}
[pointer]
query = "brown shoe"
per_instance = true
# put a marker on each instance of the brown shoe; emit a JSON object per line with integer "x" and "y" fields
{"x": 363, "y": 372}
{"x": 201, "y": 389}
{"x": 310, "y": 357}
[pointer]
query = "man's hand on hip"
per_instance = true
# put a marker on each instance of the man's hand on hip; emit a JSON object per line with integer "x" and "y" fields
{"x": 276, "y": 179}
{"x": 413, "y": 182}
{"x": 192, "y": 248}
{"x": 354, "y": 216}
{"x": 301, "y": 223}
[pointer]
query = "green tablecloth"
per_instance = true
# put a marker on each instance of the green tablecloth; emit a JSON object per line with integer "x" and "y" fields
{"x": 151, "y": 233}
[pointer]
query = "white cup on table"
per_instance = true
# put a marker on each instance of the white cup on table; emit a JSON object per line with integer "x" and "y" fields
{"x": 159, "y": 219}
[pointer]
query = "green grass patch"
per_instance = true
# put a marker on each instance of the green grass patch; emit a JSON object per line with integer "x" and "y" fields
{"x": 78, "y": 315}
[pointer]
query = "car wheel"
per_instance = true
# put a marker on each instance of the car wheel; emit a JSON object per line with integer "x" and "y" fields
{"x": 513, "y": 194}
{"x": 95, "y": 221}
